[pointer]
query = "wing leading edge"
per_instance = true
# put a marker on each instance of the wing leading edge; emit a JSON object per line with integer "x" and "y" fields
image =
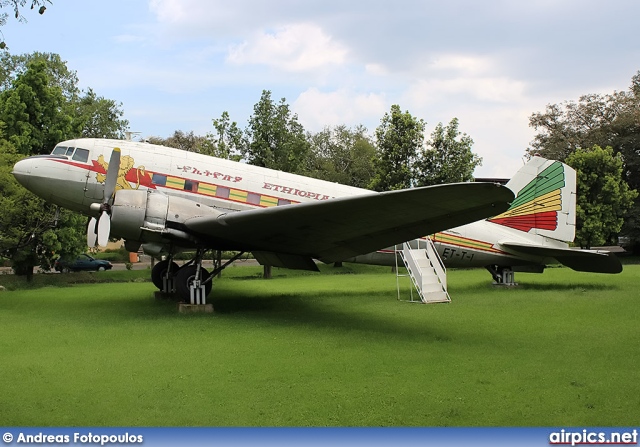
{"x": 337, "y": 229}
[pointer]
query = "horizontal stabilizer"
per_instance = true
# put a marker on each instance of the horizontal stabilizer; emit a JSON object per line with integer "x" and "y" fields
{"x": 593, "y": 261}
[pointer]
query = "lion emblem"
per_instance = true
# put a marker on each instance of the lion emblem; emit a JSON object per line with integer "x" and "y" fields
{"x": 126, "y": 165}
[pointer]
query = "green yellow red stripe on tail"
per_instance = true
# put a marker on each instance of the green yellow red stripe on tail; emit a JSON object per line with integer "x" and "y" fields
{"x": 537, "y": 204}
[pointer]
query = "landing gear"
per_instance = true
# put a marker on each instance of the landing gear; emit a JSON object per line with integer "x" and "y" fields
{"x": 502, "y": 276}
{"x": 192, "y": 285}
{"x": 163, "y": 275}
{"x": 191, "y": 282}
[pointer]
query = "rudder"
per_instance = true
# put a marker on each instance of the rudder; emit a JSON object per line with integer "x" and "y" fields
{"x": 545, "y": 202}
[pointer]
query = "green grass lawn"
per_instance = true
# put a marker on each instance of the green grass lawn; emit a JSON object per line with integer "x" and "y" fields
{"x": 562, "y": 349}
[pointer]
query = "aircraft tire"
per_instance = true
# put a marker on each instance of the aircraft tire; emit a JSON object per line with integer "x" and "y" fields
{"x": 159, "y": 270}
{"x": 185, "y": 277}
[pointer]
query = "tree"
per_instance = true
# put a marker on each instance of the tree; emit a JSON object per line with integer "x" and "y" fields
{"x": 399, "y": 139}
{"x": 91, "y": 115}
{"x": 32, "y": 232}
{"x": 274, "y": 137}
{"x": 565, "y": 127}
{"x": 35, "y": 112}
{"x": 603, "y": 196}
{"x": 447, "y": 158}
{"x": 187, "y": 141}
{"x": 227, "y": 141}
{"x": 611, "y": 120}
{"x": 40, "y": 105}
{"x": 12, "y": 66}
{"x": 98, "y": 117}
{"x": 342, "y": 155}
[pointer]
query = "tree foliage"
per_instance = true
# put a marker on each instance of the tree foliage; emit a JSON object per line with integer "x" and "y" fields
{"x": 609, "y": 120}
{"x": 603, "y": 196}
{"x": 399, "y": 138}
{"x": 98, "y": 117}
{"x": 227, "y": 140}
{"x": 447, "y": 157}
{"x": 40, "y": 105}
{"x": 186, "y": 141}
{"x": 342, "y": 155}
{"x": 14, "y": 65}
{"x": 274, "y": 137}
{"x": 34, "y": 111}
{"x": 32, "y": 232}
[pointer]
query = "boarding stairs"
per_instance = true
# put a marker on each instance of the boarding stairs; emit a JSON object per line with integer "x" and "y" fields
{"x": 426, "y": 270}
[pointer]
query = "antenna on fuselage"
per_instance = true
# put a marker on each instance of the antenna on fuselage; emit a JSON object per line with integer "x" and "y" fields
{"x": 129, "y": 135}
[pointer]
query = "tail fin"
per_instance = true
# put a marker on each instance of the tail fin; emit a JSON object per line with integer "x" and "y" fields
{"x": 545, "y": 202}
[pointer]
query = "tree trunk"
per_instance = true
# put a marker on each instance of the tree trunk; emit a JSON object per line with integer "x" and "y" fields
{"x": 267, "y": 272}
{"x": 24, "y": 270}
{"x": 217, "y": 262}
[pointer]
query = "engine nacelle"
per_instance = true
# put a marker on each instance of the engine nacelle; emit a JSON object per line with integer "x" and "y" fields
{"x": 147, "y": 216}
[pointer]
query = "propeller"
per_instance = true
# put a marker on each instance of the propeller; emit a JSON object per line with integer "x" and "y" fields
{"x": 92, "y": 236}
{"x": 98, "y": 229}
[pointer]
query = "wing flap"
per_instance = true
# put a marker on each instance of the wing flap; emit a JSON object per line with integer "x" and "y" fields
{"x": 336, "y": 229}
{"x": 593, "y": 261}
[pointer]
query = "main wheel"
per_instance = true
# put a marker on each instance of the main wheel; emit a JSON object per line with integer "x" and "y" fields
{"x": 184, "y": 279}
{"x": 159, "y": 270}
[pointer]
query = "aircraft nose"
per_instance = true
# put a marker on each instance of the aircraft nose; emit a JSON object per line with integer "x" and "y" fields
{"x": 22, "y": 171}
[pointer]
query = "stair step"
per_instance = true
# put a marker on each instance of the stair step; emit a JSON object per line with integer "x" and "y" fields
{"x": 436, "y": 297}
{"x": 431, "y": 288}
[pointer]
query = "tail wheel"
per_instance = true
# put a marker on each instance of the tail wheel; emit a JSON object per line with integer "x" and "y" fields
{"x": 186, "y": 276}
{"x": 159, "y": 270}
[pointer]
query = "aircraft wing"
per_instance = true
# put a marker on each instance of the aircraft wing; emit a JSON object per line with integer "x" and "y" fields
{"x": 340, "y": 228}
{"x": 593, "y": 261}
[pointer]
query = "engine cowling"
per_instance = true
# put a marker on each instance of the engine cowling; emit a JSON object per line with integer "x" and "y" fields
{"x": 149, "y": 216}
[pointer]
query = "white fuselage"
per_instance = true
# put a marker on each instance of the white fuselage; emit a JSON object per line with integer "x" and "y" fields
{"x": 74, "y": 179}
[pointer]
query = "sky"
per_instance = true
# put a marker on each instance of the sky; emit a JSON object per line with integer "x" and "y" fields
{"x": 178, "y": 64}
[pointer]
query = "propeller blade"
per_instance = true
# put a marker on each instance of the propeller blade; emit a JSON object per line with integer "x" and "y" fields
{"x": 112, "y": 176}
{"x": 104, "y": 228}
{"x": 91, "y": 233}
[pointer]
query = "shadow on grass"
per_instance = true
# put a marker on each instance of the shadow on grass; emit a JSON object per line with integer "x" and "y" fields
{"x": 570, "y": 286}
{"x": 534, "y": 286}
{"x": 297, "y": 310}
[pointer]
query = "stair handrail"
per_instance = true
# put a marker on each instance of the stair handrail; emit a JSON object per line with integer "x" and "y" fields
{"x": 439, "y": 267}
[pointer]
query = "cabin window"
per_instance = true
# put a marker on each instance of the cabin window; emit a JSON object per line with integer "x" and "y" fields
{"x": 190, "y": 185}
{"x": 253, "y": 198}
{"x": 159, "y": 179}
{"x": 81, "y": 155}
{"x": 222, "y": 191}
{"x": 59, "y": 150}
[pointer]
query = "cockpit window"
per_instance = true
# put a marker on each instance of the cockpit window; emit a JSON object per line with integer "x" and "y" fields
{"x": 81, "y": 155}
{"x": 59, "y": 150}
{"x": 69, "y": 151}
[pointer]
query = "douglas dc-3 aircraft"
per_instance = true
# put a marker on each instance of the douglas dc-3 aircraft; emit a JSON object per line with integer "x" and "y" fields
{"x": 168, "y": 200}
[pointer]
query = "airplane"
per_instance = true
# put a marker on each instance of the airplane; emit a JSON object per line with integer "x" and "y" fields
{"x": 167, "y": 201}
